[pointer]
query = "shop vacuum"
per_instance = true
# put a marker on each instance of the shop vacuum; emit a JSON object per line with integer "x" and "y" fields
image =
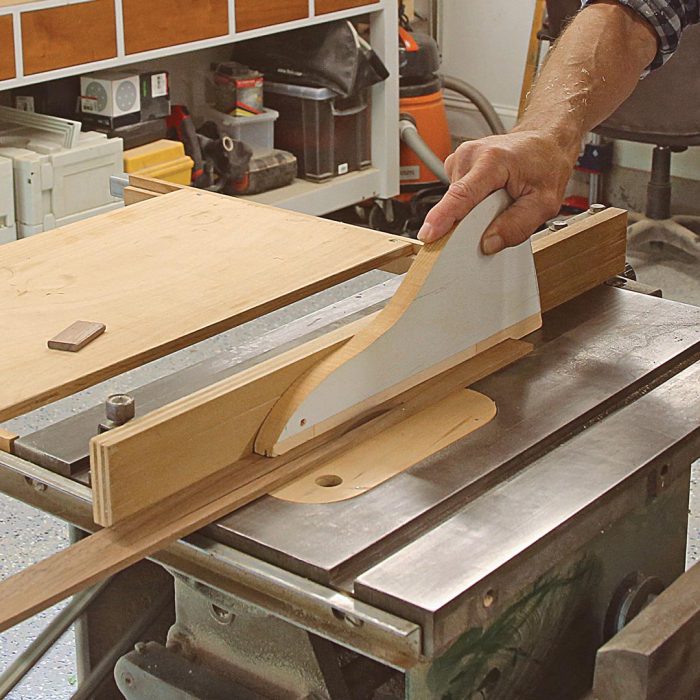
{"x": 425, "y": 135}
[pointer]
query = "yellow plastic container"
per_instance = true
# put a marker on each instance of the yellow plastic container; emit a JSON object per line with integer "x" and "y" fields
{"x": 178, "y": 171}
{"x": 163, "y": 159}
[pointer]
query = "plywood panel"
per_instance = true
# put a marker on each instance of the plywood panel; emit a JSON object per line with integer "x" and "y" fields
{"x": 252, "y": 14}
{"x": 7, "y": 48}
{"x": 159, "y": 23}
{"x": 68, "y": 35}
{"x": 325, "y": 6}
{"x": 160, "y": 275}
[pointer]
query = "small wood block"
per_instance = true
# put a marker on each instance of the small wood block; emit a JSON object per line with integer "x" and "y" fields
{"x": 7, "y": 441}
{"x": 77, "y": 336}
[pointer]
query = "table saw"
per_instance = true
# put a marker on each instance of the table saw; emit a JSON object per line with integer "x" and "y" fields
{"x": 495, "y": 567}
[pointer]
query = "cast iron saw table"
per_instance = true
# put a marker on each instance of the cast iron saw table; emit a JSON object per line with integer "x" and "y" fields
{"x": 496, "y": 568}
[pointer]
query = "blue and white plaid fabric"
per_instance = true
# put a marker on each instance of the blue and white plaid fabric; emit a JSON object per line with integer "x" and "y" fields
{"x": 668, "y": 18}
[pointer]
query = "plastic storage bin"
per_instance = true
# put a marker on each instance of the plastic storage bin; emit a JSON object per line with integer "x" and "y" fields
{"x": 162, "y": 159}
{"x": 328, "y": 135}
{"x": 55, "y": 186}
{"x": 256, "y": 131}
{"x": 8, "y": 230}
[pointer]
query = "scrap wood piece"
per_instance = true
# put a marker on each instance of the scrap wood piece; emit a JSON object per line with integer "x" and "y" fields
{"x": 453, "y": 303}
{"x": 7, "y": 441}
{"x": 77, "y": 336}
{"x": 161, "y": 276}
{"x": 114, "y": 548}
{"x": 657, "y": 654}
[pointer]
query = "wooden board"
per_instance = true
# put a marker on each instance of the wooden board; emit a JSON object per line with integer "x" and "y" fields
{"x": 372, "y": 462}
{"x": 114, "y": 548}
{"x": 453, "y": 303}
{"x": 253, "y": 14}
{"x": 162, "y": 275}
{"x": 7, "y": 48}
{"x": 7, "y": 441}
{"x": 199, "y": 428}
{"x": 325, "y": 6}
{"x": 136, "y": 465}
{"x": 134, "y": 195}
{"x": 159, "y": 23}
{"x": 657, "y": 655}
{"x": 581, "y": 256}
{"x": 68, "y": 35}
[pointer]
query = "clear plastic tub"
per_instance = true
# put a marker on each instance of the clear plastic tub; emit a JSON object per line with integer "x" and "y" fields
{"x": 257, "y": 130}
{"x": 328, "y": 135}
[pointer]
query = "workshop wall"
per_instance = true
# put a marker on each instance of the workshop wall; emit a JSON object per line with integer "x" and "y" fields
{"x": 485, "y": 43}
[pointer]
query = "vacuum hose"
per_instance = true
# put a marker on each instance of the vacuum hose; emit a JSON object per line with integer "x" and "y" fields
{"x": 410, "y": 136}
{"x": 478, "y": 100}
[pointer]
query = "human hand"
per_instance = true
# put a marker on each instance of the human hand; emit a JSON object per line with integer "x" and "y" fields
{"x": 532, "y": 168}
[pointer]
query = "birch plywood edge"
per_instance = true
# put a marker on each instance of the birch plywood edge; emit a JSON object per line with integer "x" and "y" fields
{"x": 161, "y": 275}
{"x": 454, "y": 303}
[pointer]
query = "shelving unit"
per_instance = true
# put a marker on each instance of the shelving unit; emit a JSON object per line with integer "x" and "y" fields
{"x": 45, "y": 39}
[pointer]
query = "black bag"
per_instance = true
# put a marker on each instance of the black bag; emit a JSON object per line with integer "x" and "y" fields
{"x": 329, "y": 55}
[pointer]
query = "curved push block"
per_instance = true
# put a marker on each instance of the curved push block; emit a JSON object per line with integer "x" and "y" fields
{"x": 454, "y": 303}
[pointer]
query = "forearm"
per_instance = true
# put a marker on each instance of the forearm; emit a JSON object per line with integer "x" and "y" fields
{"x": 593, "y": 68}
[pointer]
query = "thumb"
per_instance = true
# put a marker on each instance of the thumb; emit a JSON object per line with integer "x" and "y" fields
{"x": 514, "y": 226}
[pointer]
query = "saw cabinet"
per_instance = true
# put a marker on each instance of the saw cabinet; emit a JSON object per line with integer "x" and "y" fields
{"x": 45, "y": 39}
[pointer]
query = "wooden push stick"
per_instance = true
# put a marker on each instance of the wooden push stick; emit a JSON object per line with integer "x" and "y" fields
{"x": 114, "y": 548}
{"x": 454, "y": 303}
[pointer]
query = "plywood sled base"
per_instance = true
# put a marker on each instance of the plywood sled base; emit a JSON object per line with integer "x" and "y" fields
{"x": 454, "y": 303}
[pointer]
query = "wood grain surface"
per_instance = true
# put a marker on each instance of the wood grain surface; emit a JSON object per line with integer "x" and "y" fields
{"x": 581, "y": 256}
{"x": 253, "y": 14}
{"x": 193, "y": 437}
{"x": 161, "y": 275}
{"x": 656, "y": 656}
{"x": 159, "y": 23}
{"x": 325, "y": 6}
{"x": 174, "y": 447}
{"x": 7, "y": 440}
{"x": 68, "y": 35}
{"x": 7, "y": 48}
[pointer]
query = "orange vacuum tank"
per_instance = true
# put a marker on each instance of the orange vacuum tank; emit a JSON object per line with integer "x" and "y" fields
{"x": 420, "y": 91}
{"x": 427, "y": 107}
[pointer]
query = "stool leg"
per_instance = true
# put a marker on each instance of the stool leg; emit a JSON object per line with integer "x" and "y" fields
{"x": 659, "y": 187}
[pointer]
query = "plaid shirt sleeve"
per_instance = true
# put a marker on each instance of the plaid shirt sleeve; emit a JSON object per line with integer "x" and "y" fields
{"x": 668, "y": 18}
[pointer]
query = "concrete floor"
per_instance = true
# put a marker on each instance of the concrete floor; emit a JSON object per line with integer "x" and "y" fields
{"x": 27, "y": 535}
